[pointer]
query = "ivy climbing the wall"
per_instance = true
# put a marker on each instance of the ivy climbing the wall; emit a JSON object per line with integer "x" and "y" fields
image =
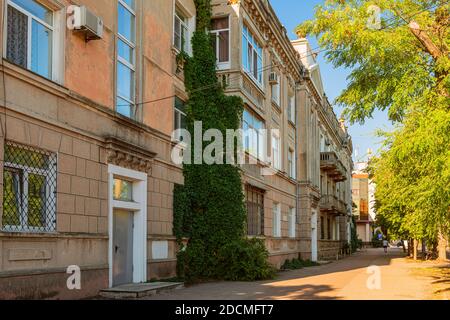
{"x": 209, "y": 209}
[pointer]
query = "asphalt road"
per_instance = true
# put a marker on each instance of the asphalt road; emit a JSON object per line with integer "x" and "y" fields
{"x": 367, "y": 275}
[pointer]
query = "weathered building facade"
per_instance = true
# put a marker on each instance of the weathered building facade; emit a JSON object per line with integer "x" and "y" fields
{"x": 87, "y": 176}
{"x": 264, "y": 69}
{"x": 325, "y": 166}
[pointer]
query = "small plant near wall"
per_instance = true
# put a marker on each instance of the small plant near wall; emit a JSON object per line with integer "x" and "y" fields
{"x": 355, "y": 242}
{"x": 295, "y": 264}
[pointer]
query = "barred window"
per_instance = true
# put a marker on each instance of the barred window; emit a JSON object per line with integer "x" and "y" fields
{"x": 29, "y": 189}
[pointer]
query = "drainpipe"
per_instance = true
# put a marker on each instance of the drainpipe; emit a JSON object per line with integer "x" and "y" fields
{"x": 297, "y": 122}
{"x": 140, "y": 111}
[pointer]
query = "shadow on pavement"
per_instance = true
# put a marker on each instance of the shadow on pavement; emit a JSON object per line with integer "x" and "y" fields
{"x": 359, "y": 260}
{"x": 303, "y": 292}
{"x": 302, "y": 284}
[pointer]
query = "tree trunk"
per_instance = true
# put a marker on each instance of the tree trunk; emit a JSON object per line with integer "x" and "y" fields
{"x": 409, "y": 248}
{"x": 403, "y": 246}
{"x": 424, "y": 249}
{"x": 415, "y": 244}
{"x": 442, "y": 247}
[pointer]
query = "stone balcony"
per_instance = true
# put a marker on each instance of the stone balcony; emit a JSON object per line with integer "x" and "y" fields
{"x": 329, "y": 162}
{"x": 363, "y": 217}
{"x": 331, "y": 204}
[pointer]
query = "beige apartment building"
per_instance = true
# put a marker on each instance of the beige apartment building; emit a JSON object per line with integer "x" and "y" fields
{"x": 264, "y": 69}
{"x": 325, "y": 166}
{"x": 87, "y": 116}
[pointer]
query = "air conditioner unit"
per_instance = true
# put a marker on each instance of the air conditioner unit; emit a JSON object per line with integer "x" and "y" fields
{"x": 89, "y": 23}
{"x": 273, "y": 78}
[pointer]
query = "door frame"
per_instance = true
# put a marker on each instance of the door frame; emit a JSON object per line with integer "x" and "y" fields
{"x": 139, "y": 209}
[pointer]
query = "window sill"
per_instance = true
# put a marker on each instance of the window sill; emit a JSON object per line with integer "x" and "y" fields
{"x": 258, "y": 85}
{"x": 65, "y": 93}
{"x": 221, "y": 66}
{"x": 53, "y": 235}
{"x": 276, "y": 105}
{"x": 31, "y": 76}
{"x": 176, "y": 51}
{"x": 260, "y": 162}
{"x": 260, "y": 237}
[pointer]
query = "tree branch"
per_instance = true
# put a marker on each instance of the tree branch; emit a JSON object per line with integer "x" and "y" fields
{"x": 425, "y": 40}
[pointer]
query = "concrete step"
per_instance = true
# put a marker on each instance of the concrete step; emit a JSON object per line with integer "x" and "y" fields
{"x": 139, "y": 290}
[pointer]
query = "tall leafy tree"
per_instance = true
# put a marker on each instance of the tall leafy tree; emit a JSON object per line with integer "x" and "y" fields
{"x": 398, "y": 53}
{"x": 412, "y": 175}
{"x": 395, "y": 63}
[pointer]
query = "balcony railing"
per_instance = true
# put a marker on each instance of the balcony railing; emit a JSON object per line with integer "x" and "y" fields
{"x": 331, "y": 204}
{"x": 330, "y": 162}
{"x": 342, "y": 207}
{"x": 364, "y": 217}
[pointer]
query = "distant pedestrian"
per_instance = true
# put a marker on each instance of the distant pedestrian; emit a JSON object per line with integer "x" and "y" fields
{"x": 385, "y": 245}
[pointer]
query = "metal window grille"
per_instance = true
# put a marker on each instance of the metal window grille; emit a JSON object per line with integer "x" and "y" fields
{"x": 29, "y": 189}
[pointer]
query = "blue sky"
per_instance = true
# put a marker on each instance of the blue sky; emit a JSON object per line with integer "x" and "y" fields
{"x": 293, "y": 12}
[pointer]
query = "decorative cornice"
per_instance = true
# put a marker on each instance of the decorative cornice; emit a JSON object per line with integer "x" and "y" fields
{"x": 127, "y": 155}
{"x": 267, "y": 22}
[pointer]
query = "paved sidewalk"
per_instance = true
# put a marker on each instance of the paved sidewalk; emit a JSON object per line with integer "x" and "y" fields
{"x": 344, "y": 279}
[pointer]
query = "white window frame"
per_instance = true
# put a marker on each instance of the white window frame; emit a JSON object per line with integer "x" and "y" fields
{"x": 276, "y": 151}
{"x": 291, "y": 109}
{"x": 183, "y": 22}
{"x": 177, "y": 114}
{"x": 224, "y": 65}
{"x": 139, "y": 208}
{"x": 23, "y": 209}
{"x": 291, "y": 163}
{"x": 127, "y": 64}
{"x": 250, "y": 61}
{"x": 276, "y": 92}
{"x": 258, "y": 135}
{"x": 188, "y": 23}
{"x": 276, "y": 224}
{"x": 292, "y": 222}
{"x": 58, "y": 27}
